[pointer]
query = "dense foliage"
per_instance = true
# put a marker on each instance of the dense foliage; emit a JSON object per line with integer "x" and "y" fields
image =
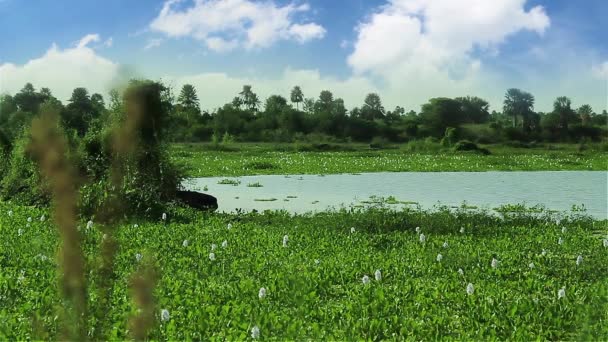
{"x": 313, "y": 278}
{"x": 127, "y": 139}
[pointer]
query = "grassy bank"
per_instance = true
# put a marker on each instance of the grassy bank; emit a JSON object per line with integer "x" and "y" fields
{"x": 205, "y": 160}
{"x": 314, "y": 284}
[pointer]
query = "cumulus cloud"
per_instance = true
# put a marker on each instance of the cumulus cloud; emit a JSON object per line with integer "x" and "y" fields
{"x": 428, "y": 47}
{"x": 62, "y": 70}
{"x": 227, "y": 24}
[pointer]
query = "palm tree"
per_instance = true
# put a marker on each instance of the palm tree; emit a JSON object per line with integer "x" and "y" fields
{"x": 297, "y": 96}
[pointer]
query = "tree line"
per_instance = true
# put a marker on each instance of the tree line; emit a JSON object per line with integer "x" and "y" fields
{"x": 324, "y": 118}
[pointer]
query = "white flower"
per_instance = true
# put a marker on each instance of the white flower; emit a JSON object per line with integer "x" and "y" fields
{"x": 10, "y": 213}
{"x": 560, "y": 241}
{"x": 21, "y": 277}
{"x": 418, "y": 230}
{"x": 461, "y": 230}
{"x": 138, "y": 257}
{"x": 439, "y": 257}
{"x": 470, "y": 289}
{"x": 262, "y": 293}
{"x": 378, "y": 275}
{"x": 494, "y": 263}
{"x": 352, "y": 230}
{"x": 460, "y": 271}
{"x": 136, "y": 226}
{"x": 606, "y": 243}
{"x": 213, "y": 246}
{"x": 579, "y": 260}
{"x": 445, "y": 244}
{"x": 164, "y": 217}
{"x": 212, "y": 256}
{"x": 229, "y": 226}
{"x": 531, "y": 265}
{"x": 255, "y": 332}
{"x": 422, "y": 238}
{"x": 365, "y": 280}
{"x": 42, "y": 218}
{"x": 89, "y": 224}
{"x": 285, "y": 240}
{"x": 104, "y": 236}
{"x": 185, "y": 243}
{"x": 20, "y": 232}
{"x": 561, "y": 293}
{"x": 564, "y": 230}
{"x": 29, "y": 219}
{"x": 225, "y": 244}
{"x": 164, "y": 315}
{"x": 544, "y": 252}
{"x": 317, "y": 261}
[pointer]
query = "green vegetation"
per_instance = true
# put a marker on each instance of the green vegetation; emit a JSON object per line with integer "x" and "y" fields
{"x": 254, "y": 185}
{"x": 314, "y": 287}
{"x": 226, "y": 181}
{"x": 202, "y": 161}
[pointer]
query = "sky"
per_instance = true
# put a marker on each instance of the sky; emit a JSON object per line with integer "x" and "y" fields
{"x": 407, "y": 51}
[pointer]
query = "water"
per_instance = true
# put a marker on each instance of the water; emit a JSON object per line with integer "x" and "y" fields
{"x": 558, "y": 190}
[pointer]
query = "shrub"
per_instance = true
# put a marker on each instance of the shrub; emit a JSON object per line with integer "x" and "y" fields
{"x": 467, "y": 146}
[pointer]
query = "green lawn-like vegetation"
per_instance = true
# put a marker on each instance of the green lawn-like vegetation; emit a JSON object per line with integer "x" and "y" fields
{"x": 205, "y": 160}
{"x": 314, "y": 285}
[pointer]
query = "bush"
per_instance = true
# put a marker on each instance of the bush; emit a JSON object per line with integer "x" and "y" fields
{"x": 467, "y": 146}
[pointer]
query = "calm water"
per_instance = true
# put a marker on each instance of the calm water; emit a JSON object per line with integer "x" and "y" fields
{"x": 555, "y": 190}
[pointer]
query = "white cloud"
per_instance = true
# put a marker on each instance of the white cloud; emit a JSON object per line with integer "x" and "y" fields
{"x": 88, "y": 39}
{"x": 601, "y": 70}
{"x": 152, "y": 43}
{"x": 426, "y": 48}
{"x": 109, "y": 42}
{"x": 226, "y": 24}
{"x": 62, "y": 71}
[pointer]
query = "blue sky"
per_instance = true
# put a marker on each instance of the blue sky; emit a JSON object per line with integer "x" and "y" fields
{"x": 406, "y": 50}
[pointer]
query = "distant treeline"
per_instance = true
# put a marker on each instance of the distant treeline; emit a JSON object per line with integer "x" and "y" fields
{"x": 322, "y": 119}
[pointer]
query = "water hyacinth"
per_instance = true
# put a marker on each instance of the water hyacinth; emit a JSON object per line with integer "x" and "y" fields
{"x": 224, "y": 244}
{"x": 229, "y": 226}
{"x": 544, "y": 252}
{"x": 422, "y": 238}
{"x": 262, "y": 293}
{"x": 579, "y": 260}
{"x": 89, "y": 224}
{"x": 460, "y": 271}
{"x": 255, "y": 332}
{"x": 20, "y": 232}
{"x": 605, "y": 243}
{"x": 418, "y": 230}
{"x": 461, "y": 230}
{"x": 470, "y": 289}
{"x": 29, "y": 219}
{"x": 352, "y": 230}
{"x": 212, "y": 256}
{"x": 561, "y": 293}
{"x": 136, "y": 226}
{"x": 317, "y": 261}
{"x": 285, "y": 240}
{"x": 494, "y": 263}
{"x": 42, "y": 218}
{"x": 560, "y": 241}
{"x": 564, "y": 230}
{"x": 378, "y": 275}
{"x": 531, "y": 265}
{"x": 164, "y": 315}
{"x": 213, "y": 247}
{"x": 365, "y": 280}
{"x": 10, "y": 213}
{"x": 445, "y": 244}
{"x": 185, "y": 243}
{"x": 164, "y": 217}
{"x": 439, "y": 257}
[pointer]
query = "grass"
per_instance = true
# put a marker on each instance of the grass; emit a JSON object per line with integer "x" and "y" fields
{"x": 262, "y": 159}
{"x": 227, "y": 181}
{"x": 255, "y": 185}
{"x": 314, "y": 285}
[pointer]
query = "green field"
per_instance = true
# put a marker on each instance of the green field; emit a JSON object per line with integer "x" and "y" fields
{"x": 314, "y": 285}
{"x": 204, "y": 160}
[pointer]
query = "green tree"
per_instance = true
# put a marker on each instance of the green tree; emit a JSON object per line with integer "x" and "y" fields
{"x": 297, "y": 96}
{"x": 372, "y": 108}
{"x": 188, "y": 101}
{"x": 440, "y": 113}
{"x": 563, "y": 107}
{"x": 475, "y": 109}
{"x": 28, "y": 100}
{"x": 585, "y": 112}
{"x": 518, "y": 103}
{"x": 249, "y": 98}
